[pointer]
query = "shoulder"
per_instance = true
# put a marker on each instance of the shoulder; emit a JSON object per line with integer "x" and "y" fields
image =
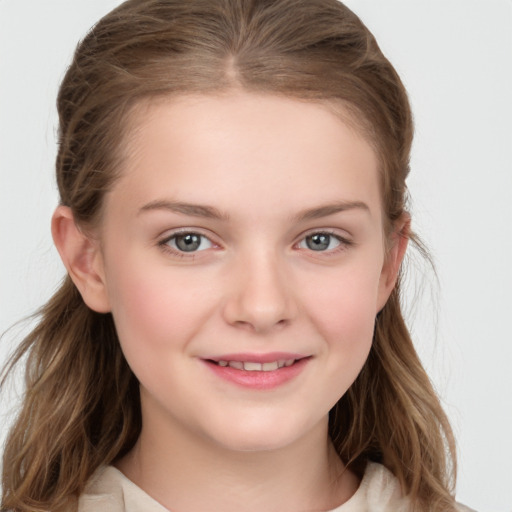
{"x": 108, "y": 490}
{"x": 380, "y": 491}
{"x": 463, "y": 508}
{"x": 103, "y": 492}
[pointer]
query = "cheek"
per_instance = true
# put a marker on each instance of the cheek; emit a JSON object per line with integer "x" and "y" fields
{"x": 344, "y": 311}
{"x": 154, "y": 308}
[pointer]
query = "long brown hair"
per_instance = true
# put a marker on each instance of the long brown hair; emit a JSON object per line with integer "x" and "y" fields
{"x": 81, "y": 408}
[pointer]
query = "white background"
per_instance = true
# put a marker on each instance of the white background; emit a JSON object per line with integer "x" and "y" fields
{"x": 455, "y": 59}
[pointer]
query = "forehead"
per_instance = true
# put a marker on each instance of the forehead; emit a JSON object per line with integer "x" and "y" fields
{"x": 218, "y": 149}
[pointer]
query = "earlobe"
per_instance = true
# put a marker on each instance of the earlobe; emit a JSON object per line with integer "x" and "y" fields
{"x": 395, "y": 255}
{"x": 82, "y": 258}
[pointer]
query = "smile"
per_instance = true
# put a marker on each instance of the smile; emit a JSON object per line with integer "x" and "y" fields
{"x": 258, "y": 372}
{"x": 251, "y": 366}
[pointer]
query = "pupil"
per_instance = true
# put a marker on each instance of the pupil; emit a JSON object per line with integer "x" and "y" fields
{"x": 188, "y": 243}
{"x": 318, "y": 242}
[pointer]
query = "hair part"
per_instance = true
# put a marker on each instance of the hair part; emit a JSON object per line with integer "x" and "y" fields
{"x": 82, "y": 407}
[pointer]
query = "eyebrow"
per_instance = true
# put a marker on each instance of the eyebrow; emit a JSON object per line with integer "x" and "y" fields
{"x": 331, "y": 209}
{"x": 195, "y": 210}
{"x": 210, "y": 212}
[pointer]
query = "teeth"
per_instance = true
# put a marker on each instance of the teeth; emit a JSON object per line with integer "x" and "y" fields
{"x": 250, "y": 366}
{"x": 253, "y": 367}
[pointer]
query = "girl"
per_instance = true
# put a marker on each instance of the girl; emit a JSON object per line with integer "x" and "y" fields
{"x": 232, "y": 219}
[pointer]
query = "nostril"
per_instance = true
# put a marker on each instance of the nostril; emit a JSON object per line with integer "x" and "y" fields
{"x": 259, "y": 302}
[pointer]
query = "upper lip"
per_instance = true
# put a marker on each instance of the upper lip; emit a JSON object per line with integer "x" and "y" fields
{"x": 268, "y": 357}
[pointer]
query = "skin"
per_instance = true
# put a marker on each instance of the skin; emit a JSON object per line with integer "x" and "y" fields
{"x": 266, "y": 172}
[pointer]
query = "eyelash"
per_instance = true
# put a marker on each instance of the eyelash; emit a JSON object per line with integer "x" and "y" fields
{"x": 344, "y": 243}
{"x": 164, "y": 244}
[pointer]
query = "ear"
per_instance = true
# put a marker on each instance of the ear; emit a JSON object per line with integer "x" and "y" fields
{"x": 394, "y": 256}
{"x": 82, "y": 258}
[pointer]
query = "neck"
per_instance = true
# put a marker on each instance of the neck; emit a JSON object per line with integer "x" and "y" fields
{"x": 186, "y": 472}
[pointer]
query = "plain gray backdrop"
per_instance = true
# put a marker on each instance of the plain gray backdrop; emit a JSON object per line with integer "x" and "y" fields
{"x": 455, "y": 57}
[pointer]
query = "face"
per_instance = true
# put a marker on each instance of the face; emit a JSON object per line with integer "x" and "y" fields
{"x": 242, "y": 257}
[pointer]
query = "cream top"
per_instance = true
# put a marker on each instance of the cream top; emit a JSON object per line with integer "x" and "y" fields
{"x": 110, "y": 491}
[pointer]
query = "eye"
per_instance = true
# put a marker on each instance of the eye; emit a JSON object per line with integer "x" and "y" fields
{"x": 188, "y": 242}
{"x": 320, "y": 242}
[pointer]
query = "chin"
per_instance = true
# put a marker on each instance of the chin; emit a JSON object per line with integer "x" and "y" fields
{"x": 264, "y": 436}
{"x": 254, "y": 444}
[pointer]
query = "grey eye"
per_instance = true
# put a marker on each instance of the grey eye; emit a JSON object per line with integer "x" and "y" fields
{"x": 320, "y": 242}
{"x": 189, "y": 242}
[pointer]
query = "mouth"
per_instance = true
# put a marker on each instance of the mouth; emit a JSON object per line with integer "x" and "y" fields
{"x": 254, "y": 366}
{"x": 258, "y": 372}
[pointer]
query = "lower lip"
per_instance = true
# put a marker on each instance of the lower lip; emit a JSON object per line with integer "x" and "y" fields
{"x": 259, "y": 380}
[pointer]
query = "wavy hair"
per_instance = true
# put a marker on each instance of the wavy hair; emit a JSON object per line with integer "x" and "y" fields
{"x": 81, "y": 407}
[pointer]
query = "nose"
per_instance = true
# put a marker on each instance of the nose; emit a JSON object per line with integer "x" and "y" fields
{"x": 261, "y": 297}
